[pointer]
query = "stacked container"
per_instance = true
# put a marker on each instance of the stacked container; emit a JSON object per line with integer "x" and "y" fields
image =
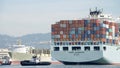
{"x": 85, "y": 30}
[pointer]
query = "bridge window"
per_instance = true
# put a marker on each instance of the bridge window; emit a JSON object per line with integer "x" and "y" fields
{"x": 69, "y": 43}
{"x": 54, "y": 43}
{"x": 56, "y": 48}
{"x": 76, "y": 48}
{"x": 78, "y": 43}
{"x": 58, "y": 43}
{"x": 87, "y": 48}
{"x": 104, "y": 48}
{"x": 63, "y": 43}
{"x": 96, "y": 48}
{"x": 65, "y": 48}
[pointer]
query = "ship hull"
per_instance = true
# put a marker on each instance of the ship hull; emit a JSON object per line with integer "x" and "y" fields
{"x": 109, "y": 56}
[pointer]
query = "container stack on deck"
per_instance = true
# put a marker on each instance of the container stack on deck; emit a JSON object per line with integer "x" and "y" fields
{"x": 85, "y": 30}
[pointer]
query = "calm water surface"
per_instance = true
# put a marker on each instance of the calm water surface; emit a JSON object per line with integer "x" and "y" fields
{"x": 63, "y": 66}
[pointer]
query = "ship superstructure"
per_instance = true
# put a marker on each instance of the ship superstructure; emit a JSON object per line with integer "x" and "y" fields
{"x": 94, "y": 39}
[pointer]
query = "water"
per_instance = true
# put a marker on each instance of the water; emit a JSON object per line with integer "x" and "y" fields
{"x": 63, "y": 66}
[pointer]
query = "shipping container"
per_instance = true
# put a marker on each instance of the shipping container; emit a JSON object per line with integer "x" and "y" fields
{"x": 83, "y": 30}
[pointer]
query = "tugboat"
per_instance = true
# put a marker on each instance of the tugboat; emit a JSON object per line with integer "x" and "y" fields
{"x": 6, "y": 61}
{"x": 34, "y": 62}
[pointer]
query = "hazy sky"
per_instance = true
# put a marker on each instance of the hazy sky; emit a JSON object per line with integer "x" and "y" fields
{"x": 21, "y": 17}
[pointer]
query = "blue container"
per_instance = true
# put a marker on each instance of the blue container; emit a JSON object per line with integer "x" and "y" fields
{"x": 101, "y": 25}
{"x": 70, "y": 36}
{"x": 97, "y": 36}
{"x": 82, "y": 39}
{"x": 85, "y": 25}
{"x": 113, "y": 41}
{"x": 102, "y": 36}
{"x": 76, "y": 31}
{"x": 73, "y": 29}
{"x": 92, "y": 32}
{"x": 88, "y": 32}
{"x": 79, "y": 28}
{"x": 52, "y": 29}
{"x": 76, "y": 35}
{"x": 89, "y": 36}
{"x": 116, "y": 35}
{"x": 92, "y": 25}
{"x": 72, "y": 32}
{"x": 107, "y": 40}
{"x": 107, "y": 29}
{"x": 79, "y": 32}
{"x": 83, "y": 36}
{"x": 53, "y": 36}
{"x": 97, "y": 28}
{"x": 86, "y": 21}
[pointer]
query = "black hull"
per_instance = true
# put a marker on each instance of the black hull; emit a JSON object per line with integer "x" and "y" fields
{"x": 97, "y": 62}
{"x": 28, "y": 63}
{"x": 79, "y": 63}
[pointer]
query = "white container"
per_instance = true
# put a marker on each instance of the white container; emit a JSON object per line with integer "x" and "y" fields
{"x": 70, "y": 21}
{"x": 107, "y": 26}
{"x": 107, "y": 33}
{"x": 110, "y": 37}
{"x": 57, "y": 36}
{"x": 61, "y": 32}
{"x": 63, "y": 25}
{"x": 64, "y": 36}
{"x": 107, "y": 37}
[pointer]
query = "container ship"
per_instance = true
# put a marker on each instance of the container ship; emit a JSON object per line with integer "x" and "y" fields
{"x": 91, "y": 40}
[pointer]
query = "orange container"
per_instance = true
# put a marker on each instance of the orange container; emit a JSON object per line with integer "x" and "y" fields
{"x": 110, "y": 40}
{"x": 110, "y": 33}
{"x": 89, "y": 28}
{"x": 102, "y": 32}
{"x": 92, "y": 36}
{"x": 103, "y": 39}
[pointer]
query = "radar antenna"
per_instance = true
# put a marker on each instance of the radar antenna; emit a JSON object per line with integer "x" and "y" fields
{"x": 95, "y": 12}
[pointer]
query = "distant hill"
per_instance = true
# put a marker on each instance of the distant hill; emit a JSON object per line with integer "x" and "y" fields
{"x": 38, "y": 40}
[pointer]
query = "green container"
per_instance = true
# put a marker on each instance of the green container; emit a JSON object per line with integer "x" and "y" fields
{"x": 110, "y": 30}
{"x": 82, "y": 28}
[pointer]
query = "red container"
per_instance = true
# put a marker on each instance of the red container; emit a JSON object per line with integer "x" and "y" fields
{"x": 97, "y": 32}
{"x": 102, "y": 29}
{"x": 97, "y": 24}
{"x": 73, "y": 36}
{"x": 95, "y": 21}
{"x": 61, "y": 36}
